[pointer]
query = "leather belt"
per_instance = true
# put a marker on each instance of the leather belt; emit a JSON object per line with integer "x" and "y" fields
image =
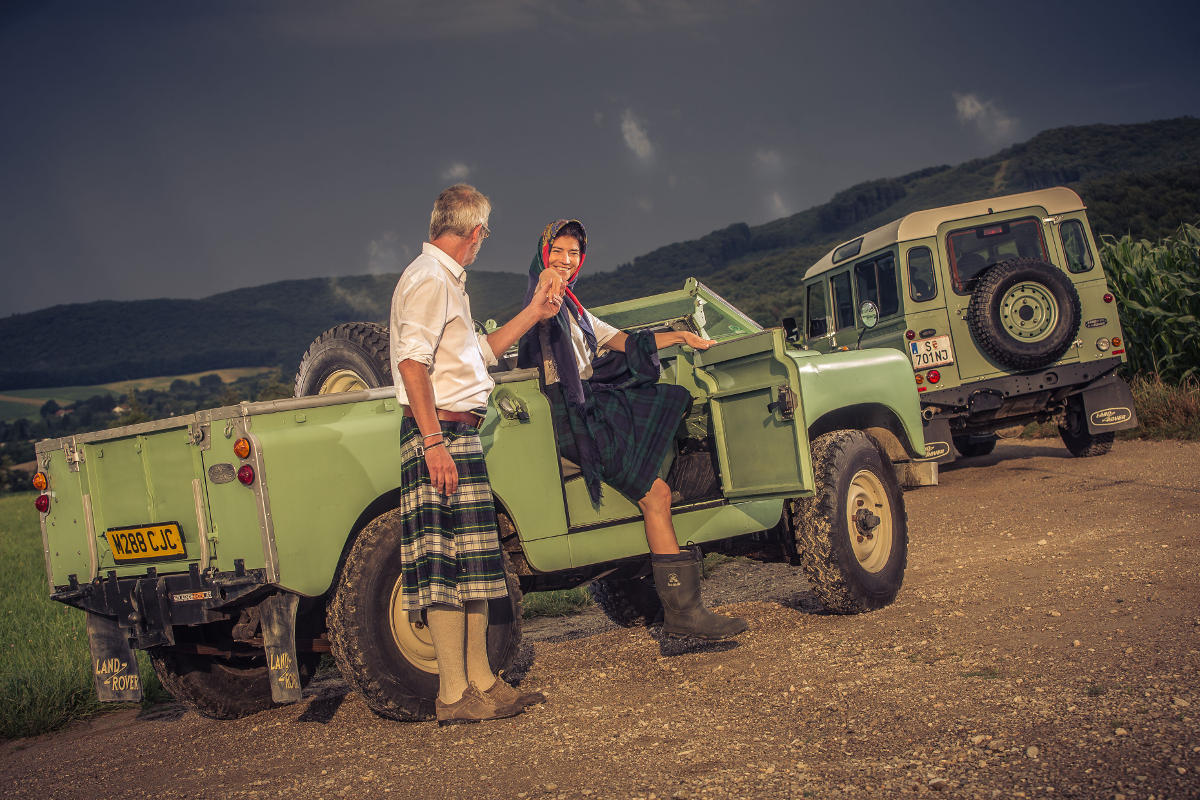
{"x": 466, "y": 417}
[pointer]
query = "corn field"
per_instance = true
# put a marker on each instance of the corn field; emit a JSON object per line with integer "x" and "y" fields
{"x": 1157, "y": 286}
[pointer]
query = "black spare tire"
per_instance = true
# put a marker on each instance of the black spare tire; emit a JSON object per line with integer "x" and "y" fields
{"x": 1024, "y": 313}
{"x": 345, "y": 358}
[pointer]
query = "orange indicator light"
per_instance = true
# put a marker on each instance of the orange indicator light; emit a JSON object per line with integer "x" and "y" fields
{"x": 241, "y": 448}
{"x": 39, "y": 481}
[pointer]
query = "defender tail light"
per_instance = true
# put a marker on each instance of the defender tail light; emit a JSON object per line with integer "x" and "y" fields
{"x": 241, "y": 448}
{"x": 920, "y": 378}
{"x": 246, "y": 474}
{"x": 1116, "y": 340}
{"x": 42, "y": 503}
{"x": 1108, "y": 298}
{"x": 910, "y": 334}
{"x": 933, "y": 375}
{"x": 1103, "y": 344}
{"x": 39, "y": 481}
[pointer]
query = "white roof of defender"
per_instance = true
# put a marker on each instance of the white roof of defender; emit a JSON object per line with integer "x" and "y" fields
{"x": 920, "y": 224}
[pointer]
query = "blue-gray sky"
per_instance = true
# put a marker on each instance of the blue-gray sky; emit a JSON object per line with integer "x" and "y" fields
{"x": 178, "y": 149}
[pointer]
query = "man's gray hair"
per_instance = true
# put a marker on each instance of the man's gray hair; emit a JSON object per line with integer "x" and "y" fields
{"x": 458, "y": 209}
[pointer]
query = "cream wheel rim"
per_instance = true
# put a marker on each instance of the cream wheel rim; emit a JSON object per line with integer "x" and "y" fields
{"x": 344, "y": 380}
{"x": 412, "y": 639}
{"x": 869, "y": 519}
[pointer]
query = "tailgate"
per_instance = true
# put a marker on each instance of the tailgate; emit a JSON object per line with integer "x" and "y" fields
{"x": 125, "y": 500}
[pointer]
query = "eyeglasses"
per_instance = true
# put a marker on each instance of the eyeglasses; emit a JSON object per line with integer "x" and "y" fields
{"x": 486, "y": 231}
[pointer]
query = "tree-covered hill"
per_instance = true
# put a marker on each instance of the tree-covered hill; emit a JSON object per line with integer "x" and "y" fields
{"x": 1141, "y": 179}
{"x": 100, "y": 342}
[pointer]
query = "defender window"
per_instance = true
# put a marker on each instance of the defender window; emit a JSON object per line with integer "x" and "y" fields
{"x": 973, "y": 250}
{"x": 922, "y": 285}
{"x": 1075, "y": 245}
{"x": 876, "y": 280}
{"x": 818, "y": 324}
{"x": 843, "y": 300}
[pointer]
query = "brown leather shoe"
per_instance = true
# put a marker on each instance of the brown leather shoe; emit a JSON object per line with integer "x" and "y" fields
{"x": 503, "y": 693}
{"x": 473, "y": 706}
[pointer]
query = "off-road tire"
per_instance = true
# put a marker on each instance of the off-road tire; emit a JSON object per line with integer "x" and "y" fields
{"x": 361, "y": 634}
{"x": 628, "y": 602}
{"x": 221, "y": 687}
{"x": 345, "y": 358}
{"x": 970, "y": 449}
{"x": 848, "y": 467}
{"x": 1075, "y": 435}
{"x": 1052, "y": 295}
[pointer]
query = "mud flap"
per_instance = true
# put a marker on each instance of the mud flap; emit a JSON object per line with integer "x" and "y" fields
{"x": 939, "y": 445}
{"x": 1108, "y": 406}
{"x": 278, "y": 616}
{"x": 114, "y": 665}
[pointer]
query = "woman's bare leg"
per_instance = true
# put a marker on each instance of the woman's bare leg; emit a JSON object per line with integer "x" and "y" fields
{"x": 656, "y": 512}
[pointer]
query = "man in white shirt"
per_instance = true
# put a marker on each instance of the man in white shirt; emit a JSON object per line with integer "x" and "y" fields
{"x": 452, "y": 564}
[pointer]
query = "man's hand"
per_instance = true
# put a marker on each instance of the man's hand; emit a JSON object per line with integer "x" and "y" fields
{"x": 692, "y": 340}
{"x": 443, "y": 474}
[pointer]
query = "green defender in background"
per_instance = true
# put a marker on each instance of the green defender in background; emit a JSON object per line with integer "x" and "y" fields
{"x": 228, "y": 543}
{"x": 1003, "y": 309}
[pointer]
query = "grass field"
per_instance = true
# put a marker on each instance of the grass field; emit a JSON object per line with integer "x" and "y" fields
{"x": 45, "y": 680}
{"x": 17, "y": 403}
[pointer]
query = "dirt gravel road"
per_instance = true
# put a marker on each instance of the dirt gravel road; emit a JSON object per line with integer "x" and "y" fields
{"x": 1045, "y": 644}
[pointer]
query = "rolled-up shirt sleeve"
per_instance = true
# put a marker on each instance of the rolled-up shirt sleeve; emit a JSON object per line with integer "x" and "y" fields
{"x": 489, "y": 358}
{"x": 602, "y": 329}
{"x": 417, "y": 319}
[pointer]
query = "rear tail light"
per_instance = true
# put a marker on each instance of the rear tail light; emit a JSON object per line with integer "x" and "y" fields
{"x": 1108, "y": 298}
{"x": 920, "y": 378}
{"x": 246, "y": 474}
{"x": 910, "y": 334}
{"x": 1116, "y": 340}
{"x": 933, "y": 376}
{"x": 39, "y": 481}
{"x": 42, "y": 503}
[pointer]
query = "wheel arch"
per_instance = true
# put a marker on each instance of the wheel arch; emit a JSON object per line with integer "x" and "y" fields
{"x": 878, "y": 421}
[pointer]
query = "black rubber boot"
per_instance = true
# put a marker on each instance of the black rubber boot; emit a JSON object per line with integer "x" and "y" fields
{"x": 677, "y": 580}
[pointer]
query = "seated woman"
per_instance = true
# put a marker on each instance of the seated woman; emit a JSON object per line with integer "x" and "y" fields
{"x": 617, "y": 422}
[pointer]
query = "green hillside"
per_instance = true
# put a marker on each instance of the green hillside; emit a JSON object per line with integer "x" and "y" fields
{"x": 1141, "y": 179}
{"x": 106, "y": 341}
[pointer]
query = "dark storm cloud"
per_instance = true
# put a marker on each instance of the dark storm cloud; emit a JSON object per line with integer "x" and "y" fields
{"x": 181, "y": 149}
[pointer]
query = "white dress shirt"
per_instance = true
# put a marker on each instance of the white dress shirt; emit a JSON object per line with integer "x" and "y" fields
{"x": 431, "y": 323}
{"x": 603, "y": 331}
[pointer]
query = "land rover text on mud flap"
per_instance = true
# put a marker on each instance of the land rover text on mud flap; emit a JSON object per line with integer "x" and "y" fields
{"x": 1003, "y": 309}
{"x": 238, "y": 544}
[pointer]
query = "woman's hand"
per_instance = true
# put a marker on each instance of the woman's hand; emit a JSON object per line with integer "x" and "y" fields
{"x": 547, "y": 295}
{"x": 692, "y": 340}
{"x": 553, "y": 282}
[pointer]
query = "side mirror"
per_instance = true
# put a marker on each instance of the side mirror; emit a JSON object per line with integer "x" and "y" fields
{"x": 791, "y": 331}
{"x": 868, "y": 314}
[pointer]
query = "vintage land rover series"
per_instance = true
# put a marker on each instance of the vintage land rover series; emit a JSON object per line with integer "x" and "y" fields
{"x": 238, "y": 544}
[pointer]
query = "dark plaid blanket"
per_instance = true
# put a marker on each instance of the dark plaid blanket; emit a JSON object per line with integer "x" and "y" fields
{"x": 629, "y": 418}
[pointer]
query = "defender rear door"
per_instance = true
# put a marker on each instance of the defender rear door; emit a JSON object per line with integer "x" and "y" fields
{"x": 757, "y": 416}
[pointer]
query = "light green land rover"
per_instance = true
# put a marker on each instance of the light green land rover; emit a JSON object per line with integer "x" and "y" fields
{"x": 1002, "y": 307}
{"x": 236, "y": 545}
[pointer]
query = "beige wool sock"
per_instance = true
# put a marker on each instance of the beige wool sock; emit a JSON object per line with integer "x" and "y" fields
{"x": 479, "y": 670}
{"x": 447, "y": 626}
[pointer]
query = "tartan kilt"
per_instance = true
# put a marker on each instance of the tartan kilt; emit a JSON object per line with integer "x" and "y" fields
{"x": 450, "y": 546}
